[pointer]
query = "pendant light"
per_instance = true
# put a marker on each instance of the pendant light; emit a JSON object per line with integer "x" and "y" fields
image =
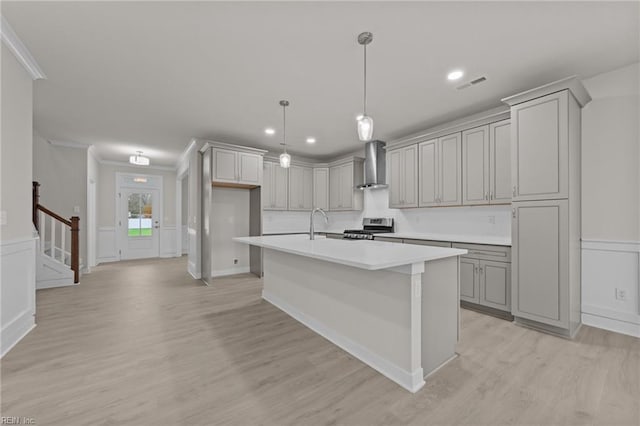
{"x": 365, "y": 123}
{"x": 285, "y": 159}
{"x": 139, "y": 160}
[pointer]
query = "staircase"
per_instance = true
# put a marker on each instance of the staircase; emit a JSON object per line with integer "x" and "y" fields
{"x": 58, "y": 248}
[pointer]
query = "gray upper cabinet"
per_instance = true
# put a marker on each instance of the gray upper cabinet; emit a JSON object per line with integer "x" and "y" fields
{"x": 275, "y": 187}
{"x": 440, "y": 171}
{"x": 237, "y": 167}
{"x": 402, "y": 172}
{"x": 500, "y": 162}
{"x": 475, "y": 166}
{"x": 321, "y": 187}
{"x": 224, "y": 165}
{"x": 540, "y": 148}
{"x": 343, "y": 179}
{"x": 300, "y": 188}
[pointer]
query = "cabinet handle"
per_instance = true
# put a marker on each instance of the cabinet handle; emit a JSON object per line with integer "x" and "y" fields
{"x": 481, "y": 269}
{"x": 476, "y": 269}
{"x": 513, "y": 213}
{"x": 485, "y": 196}
{"x": 514, "y": 190}
{"x": 491, "y": 195}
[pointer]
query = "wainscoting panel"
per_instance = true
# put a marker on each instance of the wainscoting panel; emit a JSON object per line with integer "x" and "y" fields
{"x": 168, "y": 241}
{"x": 611, "y": 285}
{"x": 107, "y": 248}
{"x": 18, "y": 291}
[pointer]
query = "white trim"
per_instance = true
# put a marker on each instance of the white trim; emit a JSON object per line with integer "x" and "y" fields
{"x": 222, "y": 145}
{"x": 230, "y": 271}
{"x": 20, "y": 51}
{"x": 611, "y": 245}
{"x": 69, "y": 144}
{"x": 611, "y": 324}
{"x": 192, "y": 269}
{"x": 126, "y": 164}
{"x": 412, "y": 381}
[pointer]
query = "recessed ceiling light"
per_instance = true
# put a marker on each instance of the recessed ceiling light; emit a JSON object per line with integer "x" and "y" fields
{"x": 311, "y": 140}
{"x": 455, "y": 75}
{"x": 270, "y": 131}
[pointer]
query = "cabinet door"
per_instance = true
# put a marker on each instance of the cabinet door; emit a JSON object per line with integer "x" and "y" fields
{"x": 224, "y": 165}
{"x": 495, "y": 285}
{"x": 410, "y": 176}
{"x": 307, "y": 188}
{"x": 295, "y": 188}
{"x": 335, "y": 194}
{"x": 280, "y": 187}
{"x": 394, "y": 174}
{"x": 250, "y": 168}
{"x": 540, "y": 155}
{"x": 346, "y": 186}
{"x": 475, "y": 166}
{"x": 500, "y": 162}
{"x": 267, "y": 185}
{"x": 321, "y": 188}
{"x": 428, "y": 173}
{"x": 450, "y": 170}
{"x": 540, "y": 279}
{"x": 469, "y": 288}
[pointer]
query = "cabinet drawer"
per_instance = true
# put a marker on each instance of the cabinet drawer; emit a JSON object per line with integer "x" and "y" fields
{"x": 486, "y": 252}
{"x": 428, "y": 243}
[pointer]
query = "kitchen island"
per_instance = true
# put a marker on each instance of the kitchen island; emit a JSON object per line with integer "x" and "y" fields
{"x": 395, "y": 307}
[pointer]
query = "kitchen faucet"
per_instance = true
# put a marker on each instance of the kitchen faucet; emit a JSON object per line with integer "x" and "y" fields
{"x": 311, "y": 230}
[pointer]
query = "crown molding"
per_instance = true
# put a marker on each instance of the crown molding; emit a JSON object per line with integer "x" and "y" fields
{"x": 572, "y": 84}
{"x": 124, "y": 164}
{"x": 213, "y": 144}
{"x": 20, "y": 51}
{"x": 69, "y": 144}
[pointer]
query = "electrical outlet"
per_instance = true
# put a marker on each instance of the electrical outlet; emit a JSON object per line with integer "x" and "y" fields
{"x": 235, "y": 261}
{"x": 621, "y": 294}
{"x": 492, "y": 220}
{"x": 76, "y": 209}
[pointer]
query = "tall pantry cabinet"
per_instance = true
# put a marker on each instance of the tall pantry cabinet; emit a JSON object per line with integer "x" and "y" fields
{"x": 545, "y": 179}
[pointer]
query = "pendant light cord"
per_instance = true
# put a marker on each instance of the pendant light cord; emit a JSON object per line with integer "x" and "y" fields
{"x": 284, "y": 127}
{"x": 365, "y": 80}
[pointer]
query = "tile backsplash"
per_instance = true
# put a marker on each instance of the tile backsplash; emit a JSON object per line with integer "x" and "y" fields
{"x": 476, "y": 220}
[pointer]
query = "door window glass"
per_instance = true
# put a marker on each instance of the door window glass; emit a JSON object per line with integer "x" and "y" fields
{"x": 140, "y": 215}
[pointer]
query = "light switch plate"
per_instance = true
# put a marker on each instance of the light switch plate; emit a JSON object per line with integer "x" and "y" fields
{"x": 3, "y": 217}
{"x": 76, "y": 209}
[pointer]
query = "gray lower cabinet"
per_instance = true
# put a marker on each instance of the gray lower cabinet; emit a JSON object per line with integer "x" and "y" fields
{"x": 387, "y": 239}
{"x": 428, "y": 243}
{"x": 485, "y": 276}
{"x": 334, "y": 236}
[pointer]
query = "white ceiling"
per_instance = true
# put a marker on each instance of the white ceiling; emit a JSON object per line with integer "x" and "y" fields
{"x": 150, "y": 76}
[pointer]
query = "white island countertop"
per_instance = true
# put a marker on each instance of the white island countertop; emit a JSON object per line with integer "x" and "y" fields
{"x": 369, "y": 255}
{"x": 454, "y": 238}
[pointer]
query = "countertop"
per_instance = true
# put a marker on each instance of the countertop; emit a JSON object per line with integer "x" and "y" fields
{"x": 459, "y": 238}
{"x": 369, "y": 255}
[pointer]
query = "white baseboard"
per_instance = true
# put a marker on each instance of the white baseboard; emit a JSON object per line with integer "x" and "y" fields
{"x": 15, "y": 331}
{"x": 106, "y": 260}
{"x": 410, "y": 381}
{"x": 42, "y": 285}
{"x": 609, "y": 266}
{"x": 191, "y": 268}
{"x": 230, "y": 271}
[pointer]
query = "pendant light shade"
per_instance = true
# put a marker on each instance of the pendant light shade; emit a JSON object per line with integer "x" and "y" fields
{"x": 365, "y": 123}
{"x": 285, "y": 159}
{"x": 365, "y": 128}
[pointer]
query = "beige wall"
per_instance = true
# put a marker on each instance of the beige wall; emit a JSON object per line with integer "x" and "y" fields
{"x": 16, "y": 148}
{"x": 611, "y": 157}
{"x": 62, "y": 173}
{"x": 106, "y": 199}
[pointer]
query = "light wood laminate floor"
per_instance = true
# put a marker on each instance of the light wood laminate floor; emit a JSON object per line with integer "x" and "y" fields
{"x": 142, "y": 343}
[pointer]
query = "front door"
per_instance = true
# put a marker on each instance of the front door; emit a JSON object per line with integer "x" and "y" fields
{"x": 139, "y": 223}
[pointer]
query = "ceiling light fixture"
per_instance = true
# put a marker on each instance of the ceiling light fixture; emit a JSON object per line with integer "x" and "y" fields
{"x": 270, "y": 131}
{"x": 455, "y": 75}
{"x": 365, "y": 123}
{"x": 285, "y": 159}
{"x": 139, "y": 160}
{"x": 311, "y": 140}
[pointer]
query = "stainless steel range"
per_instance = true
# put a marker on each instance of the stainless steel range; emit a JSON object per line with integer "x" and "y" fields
{"x": 370, "y": 226}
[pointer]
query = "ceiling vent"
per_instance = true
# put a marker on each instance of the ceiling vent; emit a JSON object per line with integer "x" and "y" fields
{"x": 472, "y": 82}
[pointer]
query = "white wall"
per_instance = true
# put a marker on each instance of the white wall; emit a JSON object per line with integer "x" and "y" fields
{"x": 230, "y": 209}
{"x": 17, "y": 244}
{"x": 93, "y": 170}
{"x": 611, "y": 201}
{"x": 62, "y": 173}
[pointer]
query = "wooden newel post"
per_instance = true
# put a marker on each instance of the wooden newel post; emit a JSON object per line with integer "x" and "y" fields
{"x": 35, "y": 194}
{"x": 75, "y": 248}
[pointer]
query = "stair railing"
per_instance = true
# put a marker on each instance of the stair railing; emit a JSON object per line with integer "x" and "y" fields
{"x": 58, "y": 228}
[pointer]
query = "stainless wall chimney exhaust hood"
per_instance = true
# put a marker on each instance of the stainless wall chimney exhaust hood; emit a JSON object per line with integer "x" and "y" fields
{"x": 374, "y": 166}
